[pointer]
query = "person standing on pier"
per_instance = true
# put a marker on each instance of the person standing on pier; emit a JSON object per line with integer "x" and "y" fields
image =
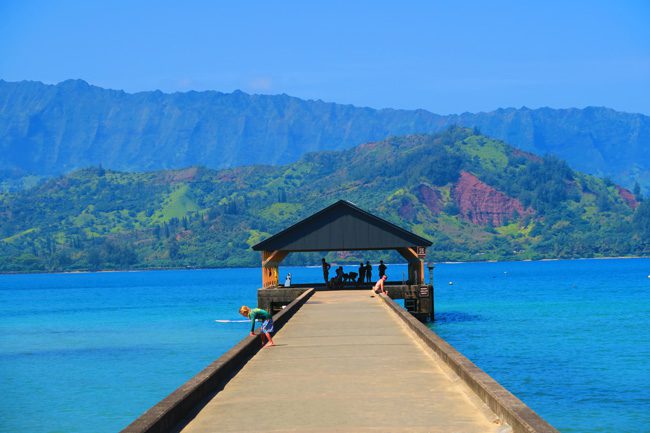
{"x": 362, "y": 273}
{"x": 326, "y": 272}
{"x": 382, "y": 268}
{"x": 368, "y": 272}
{"x": 266, "y": 319}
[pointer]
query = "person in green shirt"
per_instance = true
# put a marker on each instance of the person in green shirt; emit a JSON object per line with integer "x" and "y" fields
{"x": 263, "y": 316}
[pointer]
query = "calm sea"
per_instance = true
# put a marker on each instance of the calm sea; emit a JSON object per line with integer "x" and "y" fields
{"x": 91, "y": 352}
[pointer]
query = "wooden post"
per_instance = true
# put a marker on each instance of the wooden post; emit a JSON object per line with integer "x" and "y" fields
{"x": 415, "y": 264}
{"x": 270, "y": 263}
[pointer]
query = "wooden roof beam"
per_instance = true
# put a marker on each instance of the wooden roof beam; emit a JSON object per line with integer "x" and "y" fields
{"x": 274, "y": 257}
{"x": 409, "y": 254}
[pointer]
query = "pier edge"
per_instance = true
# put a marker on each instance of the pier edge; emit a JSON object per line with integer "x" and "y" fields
{"x": 181, "y": 406}
{"x": 514, "y": 412}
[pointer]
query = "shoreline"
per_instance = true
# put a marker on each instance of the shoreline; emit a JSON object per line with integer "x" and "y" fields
{"x": 186, "y": 268}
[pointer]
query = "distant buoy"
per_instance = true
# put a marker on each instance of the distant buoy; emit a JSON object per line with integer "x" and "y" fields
{"x": 451, "y": 283}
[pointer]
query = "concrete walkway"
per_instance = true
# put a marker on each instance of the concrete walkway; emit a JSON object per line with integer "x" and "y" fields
{"x": 345, "y": 363}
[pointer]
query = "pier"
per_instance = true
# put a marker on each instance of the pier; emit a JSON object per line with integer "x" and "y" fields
{"x": 346, "y": 360}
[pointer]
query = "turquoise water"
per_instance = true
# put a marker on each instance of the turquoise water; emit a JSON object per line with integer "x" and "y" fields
{"x": 569, "y": 338}
{"x": 90, "y": 352}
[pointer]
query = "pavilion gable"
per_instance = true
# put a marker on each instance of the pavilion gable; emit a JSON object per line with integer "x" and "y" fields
{"x": 342, "y": 227}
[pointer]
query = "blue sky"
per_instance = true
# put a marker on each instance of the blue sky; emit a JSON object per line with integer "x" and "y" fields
{"x": 446, "y": 57}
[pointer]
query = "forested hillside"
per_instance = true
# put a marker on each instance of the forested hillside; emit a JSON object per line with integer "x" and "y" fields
{"x": 475, "y": 197}
{"x": 54, "y": 129}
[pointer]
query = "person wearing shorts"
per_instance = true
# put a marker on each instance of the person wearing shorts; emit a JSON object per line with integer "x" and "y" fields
{"x": 265, "y": 317}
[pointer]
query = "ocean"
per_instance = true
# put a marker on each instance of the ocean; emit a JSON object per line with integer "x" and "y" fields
{"x": 90, "y": 352}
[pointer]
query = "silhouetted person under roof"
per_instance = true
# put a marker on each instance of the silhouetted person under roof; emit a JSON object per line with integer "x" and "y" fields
{"x": 368, "y": 272}
{"x": 382, "y": 268}
{"x": 326, "y": 272}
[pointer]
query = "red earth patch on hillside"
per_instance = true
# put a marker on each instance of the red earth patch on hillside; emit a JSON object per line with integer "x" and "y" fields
{"x": 527, "y": 155}
{"x": 482, "y": 204}
{"x": 406, "y": 209}
{"x": 177, "y": 176}
{"x": 183, "y": 234}
{"x": 431, "y": 198}
{"x": 627, "y": 197}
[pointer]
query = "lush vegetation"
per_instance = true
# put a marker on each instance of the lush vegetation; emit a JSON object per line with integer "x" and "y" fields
{"x": 102, "y": 219}
{"x": 54, "y": 129}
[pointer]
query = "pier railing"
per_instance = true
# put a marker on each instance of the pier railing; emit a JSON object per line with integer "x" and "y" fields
{"x": 504, "y": 404}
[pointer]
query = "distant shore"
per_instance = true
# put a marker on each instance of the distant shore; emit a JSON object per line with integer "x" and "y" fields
{"x": 190, "y": 268}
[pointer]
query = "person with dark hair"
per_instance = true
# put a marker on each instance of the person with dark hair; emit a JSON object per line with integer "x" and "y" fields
{"x": 326, "y": 272}
{"x": 337, "y": 281}
{"x": 382, "y": 268}
{"x": 362, "y": 273}
{"x": 368, "y": 272}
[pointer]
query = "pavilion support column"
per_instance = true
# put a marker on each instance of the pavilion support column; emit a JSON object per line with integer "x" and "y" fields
{"x": 269, "y": 276}
{"x": 415, "y": 265}
{"x": 416, "y": 272}
{"x": 270, "y": 263}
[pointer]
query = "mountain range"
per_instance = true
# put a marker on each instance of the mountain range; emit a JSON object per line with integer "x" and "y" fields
{"x": 48, "y": 130}
{"x": 475, "y": 197}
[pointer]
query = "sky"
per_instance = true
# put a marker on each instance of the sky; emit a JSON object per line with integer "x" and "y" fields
{"x": 445, "y": 57}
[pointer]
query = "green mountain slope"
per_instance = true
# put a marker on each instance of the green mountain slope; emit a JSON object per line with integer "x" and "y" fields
{"x": 54, "y": 129}
{"x": 475, "y": 197}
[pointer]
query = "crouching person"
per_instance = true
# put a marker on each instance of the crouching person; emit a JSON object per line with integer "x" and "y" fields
{"x": 267, "y": 322}
{"x": 379, "y": 286}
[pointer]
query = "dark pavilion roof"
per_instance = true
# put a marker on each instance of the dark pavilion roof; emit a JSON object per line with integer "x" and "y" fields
{"x": 342, "y": 227}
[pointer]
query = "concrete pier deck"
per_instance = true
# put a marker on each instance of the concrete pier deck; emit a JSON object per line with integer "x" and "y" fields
{"x": 345, "y": 363}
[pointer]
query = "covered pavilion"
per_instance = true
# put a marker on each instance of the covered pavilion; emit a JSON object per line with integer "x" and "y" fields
{"x": 343, "y": 226}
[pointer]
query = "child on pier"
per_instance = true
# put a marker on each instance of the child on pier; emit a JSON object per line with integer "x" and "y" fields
{"x": 262, "y": 315}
